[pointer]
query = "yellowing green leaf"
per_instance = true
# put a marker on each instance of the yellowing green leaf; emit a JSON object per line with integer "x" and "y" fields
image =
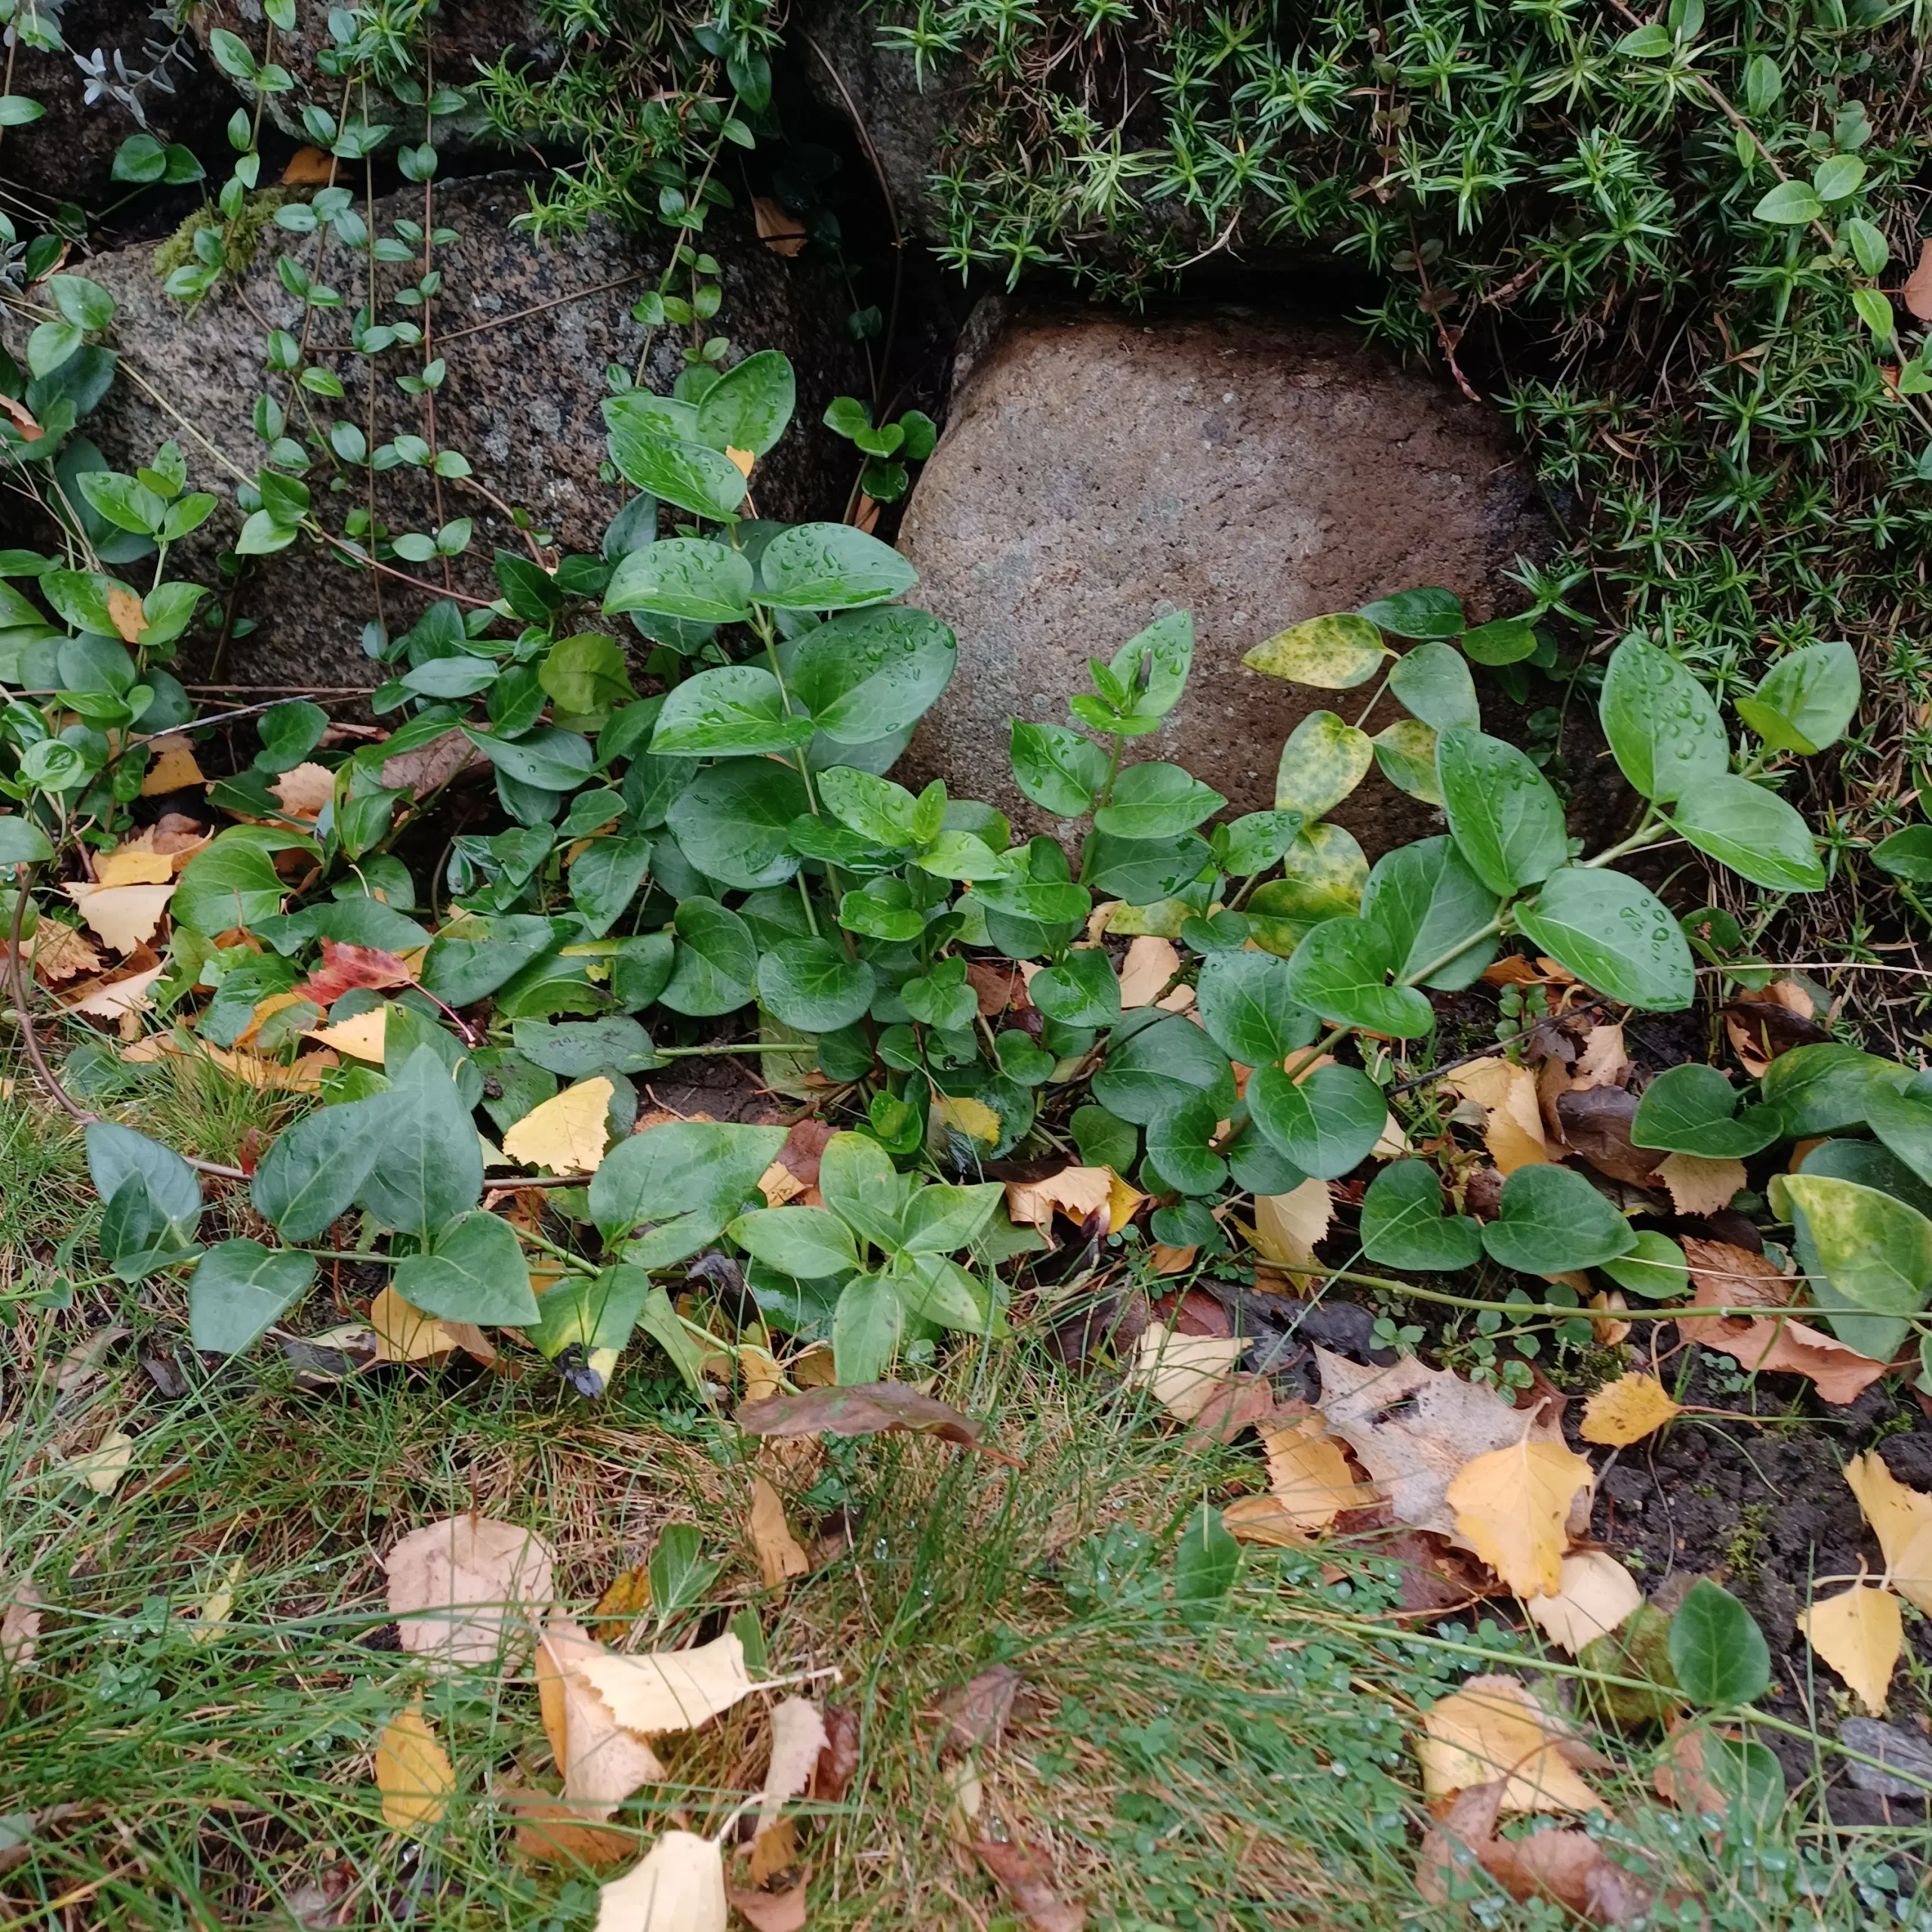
{"x": 1335, "y": 653}
{"x": 1324, "y": 761}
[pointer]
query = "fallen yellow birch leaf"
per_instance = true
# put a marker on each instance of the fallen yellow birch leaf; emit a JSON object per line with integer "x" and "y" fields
{"x": 413, "y": 1773}
{"x": 1859, "y": 1632}
{"x": 1627, "y": 1409}
{"x": 1512, "y": 1505}
{"x": 565, "y": 1134}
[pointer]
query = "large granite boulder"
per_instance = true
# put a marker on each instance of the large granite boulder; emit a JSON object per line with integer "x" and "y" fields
{"x": 68, "y": 154}
{"x": 527, "y": 330}
{"x": 1096, "y": 471}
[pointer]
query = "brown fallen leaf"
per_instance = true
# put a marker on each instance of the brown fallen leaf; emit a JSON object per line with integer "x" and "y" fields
{"x": 426, "y": 768}
{"x": 866, "y": 1408}
{"x": 781, "y": 231}
{"x": 678, "y": 1886}
{"x": 1917, "y": 293}
{"x": 22, "y": 418}
{"x": 1512, "y": 970}
{"x": 781, "y": 1556}
{"x": 554, "y": 1828}
{"x": 839, "y": 1762}
{"x": 770, "y": 1912}
{"x": 1770, "y": 1020}
{"x": 666, "y": 1691}
{"x": 1570, "y": 1867}
{"x": 466, "y": 1589}
{"x": 977, "y": 1713}
{"x": 57, "y": 952}
{"x": 1513, "y": 1130}
{"x": 1412, "y": 1427}
{"x": 1149, "y": 965}
{"x": 309, "y": 167}
{"x": 1022, "y": 1872}
{"x": 1512, "y": 1506}
{"x": 1596, "y": 1594}
{"x": 1724, "y": 1276}
{"x": 413, "y": 1773}
{"x": 1634, "y": 1406}
{"x": 20, "y": 1626}
{"x": 1595, "y": 1123}
{"x": 1243, "y": 1401}
{"x": 601, "y": 1763}
{"x": 1859, "y": 1632}
{"x": 173, "y": 769}
{"x": 1901, "y": 1519}
{"x": 1698, "y": 1185}
{"x": 1493, "y": 1728}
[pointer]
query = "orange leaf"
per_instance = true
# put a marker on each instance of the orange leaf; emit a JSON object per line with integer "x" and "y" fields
{"x": 344, "y": 966}
{"x": 125, "y": 607}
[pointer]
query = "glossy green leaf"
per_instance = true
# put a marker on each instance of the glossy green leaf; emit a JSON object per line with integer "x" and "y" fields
{"x": 1432, "y": 682}
{"x": 734, "y": 711}
{"x": 733, "y": 822}
{"x": 861, "y": 1186}
{"x": 1157, "y": 1066}
{"x": 233, "y": 882}
{"x": 474, "y": 1271}
{"x": 680, "y": 1182}
{"x": 1826, "y": 1086}
{"x": 1654, "y": 1268}
{"x": 313, "y": 1170}
{"x": 1341, "y": 972}
{"x": 1082, "y": 991}
{"x": 1156, "y": 800}
{"x": 1245, "y": 1002}
{"x": 605, "y": 879}
{"x": 1180, "y": 1144}
{"x": 1664, "y": 730}
{"x": 21, "y": 841}
{"x": 748, "y": 407}
{"x": 1335, "y": 653}
{"x": 1693, "y": 1110}
{"x": 1326, "y": 1123}
{"x": 1502, "y": 812}
{"x": 1906, "y": 855}
{"x": 1551, "y": 1221}
{"x": 430, "y": 1166}
{"x": 1425, "y": 613}
{"x": 1790, "y": 204}
{"x": 866, "y": 1328}
{"x": 683, "y": 577}
{"x": 1403, "y": 1224}
{"x": 808, "y": 1243}
{"x": 1754, "y": 831}
{"x": 1057, "y": 769}
{"x": 1503, "y": 641}
{"x": 575, "y": 1049}
{"x": 830, "y": 567}
{"x": 1876, "y": 1249}
{"x": 1614, "y": 935}
{"x": 715, "y": 967}
{"x": 1806, "y": 700}
{"x": 695, "y": 477}
{"x": 870, "y": 673}
{"x": 809, "y": 984}
{"x": 1434, "y": 912}
{"x": 1323, "y": 761}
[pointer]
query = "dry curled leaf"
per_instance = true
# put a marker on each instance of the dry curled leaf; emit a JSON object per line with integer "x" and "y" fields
{"x": 780, "y": 230}
{"x": 1150, "y": 963}
{"x": 1859, "y": 1632}
{"x": 1183, "y": 1372}
{"x": 797, "y": 1736}
{"x": 1634, "y": 1406}
{"x": 1512, "y": 1505}
{"x": 57, "y": 952}
{"x": 1901, "y": 1519}
{"x": 1076, "y": 1192}
{"x": 426, "y": 768}
{"x": 1287, "y": 1226}
{"x": 1570, "y": 1867}
{"x": 666, "y": 1691}
{"x": 465, "y": 1589}
{"x": 1595, "y": 1594}
{"x": 1724, "y": 1276}
{"x": 678, "y": 1886}
{"x": 770, "y": 1912}
{"x": 1513, "y": 1131}
{"x": 601, "y": 1763}
{"x": 781, "y": 1556}
{"x": 1022, "y": 1872}
{"x": 1917, "y": 293}
{"x": 1492, "y": 1728}
{"x": 413, "y": 1773}
{"x": 866, "y": 1408}
{"x": 20, "y": 1627}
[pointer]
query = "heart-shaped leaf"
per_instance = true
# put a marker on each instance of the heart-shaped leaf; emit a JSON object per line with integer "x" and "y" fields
{"x": 1551, "y": 1222}
{"x": 1340, "y": 971}
{"x": 1326, "y": 1123}
{"x": 1693, "y": 1110}
{"x": 1403, "y": 1224}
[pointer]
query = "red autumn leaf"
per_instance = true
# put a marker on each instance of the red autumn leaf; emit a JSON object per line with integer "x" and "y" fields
{"x": 346, "y": 966}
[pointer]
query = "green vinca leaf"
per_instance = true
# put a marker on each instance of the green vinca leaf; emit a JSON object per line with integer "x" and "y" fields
{"x": 1551, "y": 1221}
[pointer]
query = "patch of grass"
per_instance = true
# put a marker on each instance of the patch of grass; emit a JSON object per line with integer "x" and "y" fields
{"x": 1246, "y": 1764}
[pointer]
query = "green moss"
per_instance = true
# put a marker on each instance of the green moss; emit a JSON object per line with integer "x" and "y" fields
{"x": 241, "y": 238}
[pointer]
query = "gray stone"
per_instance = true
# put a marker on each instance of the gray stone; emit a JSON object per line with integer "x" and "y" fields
{"x": 1096, "y": 471}
{"x": 527, "y": 328}
{"x": 477, "y": 31}
{"x": 1900, "y": 1749}
{"x": 68, "y": 154}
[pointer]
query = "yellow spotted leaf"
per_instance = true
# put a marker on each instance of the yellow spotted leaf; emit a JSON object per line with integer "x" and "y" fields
{"x": 1627, "y": 1409}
